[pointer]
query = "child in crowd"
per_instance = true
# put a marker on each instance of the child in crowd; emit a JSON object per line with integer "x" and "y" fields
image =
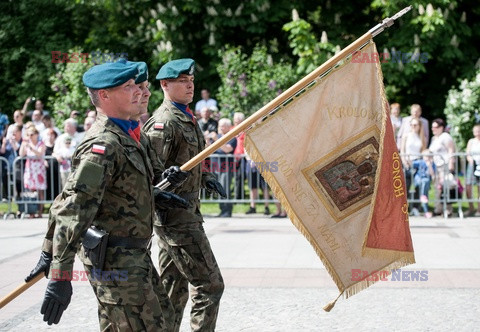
{"x": 425, "y": 171}
{"x": 64, "y": 157}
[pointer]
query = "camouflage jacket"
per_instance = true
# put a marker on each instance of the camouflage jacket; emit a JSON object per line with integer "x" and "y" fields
{"x": 176, "y": 140}
{"x": 109, "y": 187}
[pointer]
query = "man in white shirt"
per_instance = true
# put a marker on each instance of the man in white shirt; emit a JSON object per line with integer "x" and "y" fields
{"x": 70, "y": 130}
{"x": 206, "y": 101}
{"x": 416, "y": 112}
{"x": 37, "y": 120}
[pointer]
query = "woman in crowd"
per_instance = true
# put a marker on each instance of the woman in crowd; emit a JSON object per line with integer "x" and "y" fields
{"x": 442, "y": 146}
{"x": 9, "y": 150}
{"x": 473, "y": 168}
{"x": 53, "y": 183}
{"x": 413, "y": 143}
{"x": 35, "y": 172}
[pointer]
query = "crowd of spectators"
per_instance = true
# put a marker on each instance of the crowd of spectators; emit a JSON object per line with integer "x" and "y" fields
{"x": 427, "y": 161}
{"x": 431, "y": 162}
{"x": 33, "y": 135}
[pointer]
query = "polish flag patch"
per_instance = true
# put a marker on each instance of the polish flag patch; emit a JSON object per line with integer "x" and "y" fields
{"x": 98, "y": 149}
{"x": 158, "y": 125}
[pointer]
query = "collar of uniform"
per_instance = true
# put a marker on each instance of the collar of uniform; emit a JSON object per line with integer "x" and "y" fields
{"x": 109, "y": 125}
{"x": 182, "y": 116}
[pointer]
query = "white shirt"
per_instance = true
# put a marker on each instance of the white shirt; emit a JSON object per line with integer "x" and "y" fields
{"x": 43, "y": 133}
{"x": 413, "y": 146}
{"x": 60, "y": 145}
{"x": 205, "y": 103}
{"x": 406, "y": 128}
{"x": 39, "y": 126}
{"x": 439, "y": 146}
{"x": 475, "y": 150}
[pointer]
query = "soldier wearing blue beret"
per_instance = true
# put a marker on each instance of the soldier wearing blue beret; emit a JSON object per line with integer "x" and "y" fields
{"x": 109, "y": 189}
{"x": 185, "y": 253}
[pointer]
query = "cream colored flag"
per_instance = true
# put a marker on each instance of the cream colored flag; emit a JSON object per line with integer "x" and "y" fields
{"x": 339, "y": 174}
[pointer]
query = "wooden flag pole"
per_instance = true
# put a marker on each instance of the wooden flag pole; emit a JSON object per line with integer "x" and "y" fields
{"x": 294, "y": 89}
{"x": 19, "y": 290}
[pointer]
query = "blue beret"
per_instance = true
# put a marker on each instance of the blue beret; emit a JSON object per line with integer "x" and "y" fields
{"x": 111, "y": 74}
{"x": 174, "y": 68}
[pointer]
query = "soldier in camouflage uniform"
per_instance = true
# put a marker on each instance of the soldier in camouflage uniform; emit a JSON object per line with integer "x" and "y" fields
{"x": 185, "y": 254}
{"x": 110, "y": 188}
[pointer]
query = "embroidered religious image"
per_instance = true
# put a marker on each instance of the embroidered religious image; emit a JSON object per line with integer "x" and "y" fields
{"x": 345, "y": 179}
{"x": 350, "y": 178}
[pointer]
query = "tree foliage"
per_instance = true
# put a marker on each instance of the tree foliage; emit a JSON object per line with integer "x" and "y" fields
{"x": 462, "y": 110}
{"x": 69, "y": 91}
{"x": 249, "y": 82}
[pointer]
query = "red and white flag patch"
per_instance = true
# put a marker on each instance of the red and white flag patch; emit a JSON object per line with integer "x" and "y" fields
{"x": 98, "y": 149}
{"x": 158, "y": 126}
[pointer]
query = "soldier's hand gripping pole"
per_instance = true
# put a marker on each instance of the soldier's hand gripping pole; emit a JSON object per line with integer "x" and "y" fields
{"x": 19, "y": 290}
{"x": 173, "y": 176}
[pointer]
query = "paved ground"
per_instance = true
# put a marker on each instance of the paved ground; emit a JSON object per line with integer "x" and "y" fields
{"x": 275, "y": 282}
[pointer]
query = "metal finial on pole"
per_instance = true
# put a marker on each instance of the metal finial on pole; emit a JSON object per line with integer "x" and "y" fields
{"x": 388, "y": 22}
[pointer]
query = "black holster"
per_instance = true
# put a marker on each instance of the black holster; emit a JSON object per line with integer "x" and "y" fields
{"x": 95, "y": 244}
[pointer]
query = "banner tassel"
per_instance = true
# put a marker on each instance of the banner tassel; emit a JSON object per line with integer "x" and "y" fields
{"x": 330, "y": 305}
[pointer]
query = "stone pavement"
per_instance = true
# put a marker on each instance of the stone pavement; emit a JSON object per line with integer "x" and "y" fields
{"x": 275, "y": 282}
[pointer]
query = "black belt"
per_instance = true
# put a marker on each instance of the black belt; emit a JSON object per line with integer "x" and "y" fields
{"x": 129, "y": 242}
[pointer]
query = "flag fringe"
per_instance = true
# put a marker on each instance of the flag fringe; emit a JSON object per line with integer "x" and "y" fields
{"x": 280, "y": 195}
{"x": 365, "y": 283}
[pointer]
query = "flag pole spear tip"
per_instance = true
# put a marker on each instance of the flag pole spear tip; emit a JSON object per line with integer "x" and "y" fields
{"x": 388, "y": 22}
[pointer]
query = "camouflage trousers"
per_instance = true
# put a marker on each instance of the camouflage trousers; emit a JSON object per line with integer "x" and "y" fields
{"x": 129, "y": 293}
{"x": 186, "y": 258}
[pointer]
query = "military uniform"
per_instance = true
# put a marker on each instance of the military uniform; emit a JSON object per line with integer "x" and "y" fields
{"x": 109, "y": 188}
{"x": 185, "y": 253}
{"x": 108, "y": 170}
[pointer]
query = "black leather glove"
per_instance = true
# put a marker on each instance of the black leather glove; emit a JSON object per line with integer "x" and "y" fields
{"x": 167, "y": 200}
{"x": 175, "y": 176}
{"x": 57, "y": 298}
{"x": 215, "y": 186}
{"x": 43, "y": 265}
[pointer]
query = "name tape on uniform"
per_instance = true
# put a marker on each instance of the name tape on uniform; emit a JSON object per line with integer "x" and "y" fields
{"x": 158, "y": 125}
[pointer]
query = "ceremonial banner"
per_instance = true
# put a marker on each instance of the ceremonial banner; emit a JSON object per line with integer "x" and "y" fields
{"x": 339, "y": 175}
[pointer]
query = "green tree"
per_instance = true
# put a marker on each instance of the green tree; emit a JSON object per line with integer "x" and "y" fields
{"x": 448, "y": 31}
{"x": 69, "y": 91}
{"x": 29, "y": 32}
{"x": 304, "y": 44}
{"x": 462, "y": 110}
{"x": 249, "y": 82}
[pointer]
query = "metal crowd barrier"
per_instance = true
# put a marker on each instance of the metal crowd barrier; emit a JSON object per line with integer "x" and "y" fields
{"x": 5, "y": 189}
{"x": 26, "y": 200}
{"x": 239, "y": 176}
{"x": 448, "y": 188}
{"x": 233, "y": 172}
